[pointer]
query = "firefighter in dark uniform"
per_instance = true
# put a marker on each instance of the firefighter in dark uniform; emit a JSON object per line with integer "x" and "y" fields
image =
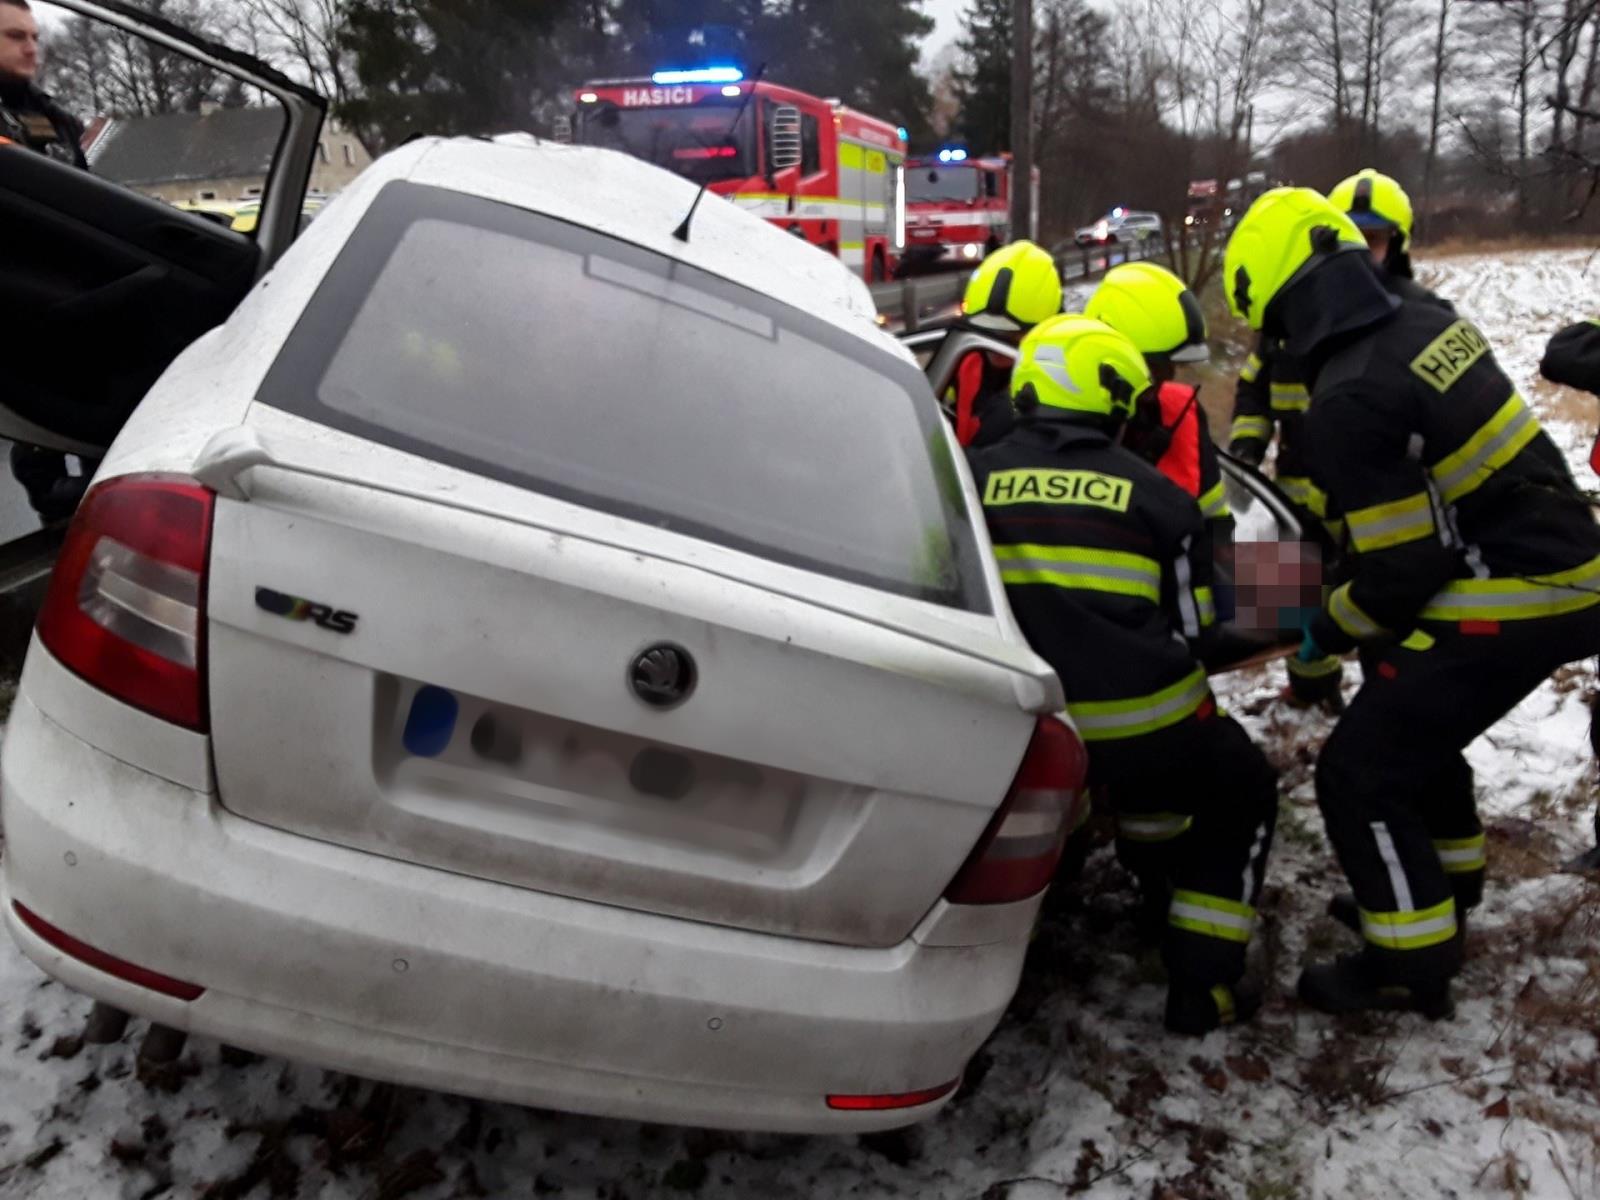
{"x": 1151, "y": 307}
{"x": 1104, "y": 564}
{"x": 1012, "y": 290}
{"x": 1382, "y": 211}
{"x": 1272, "y": 389}
{"x": 1477, "y": 575}
{"x": 1573, "y": 359}
{"x": 32, "y": 120}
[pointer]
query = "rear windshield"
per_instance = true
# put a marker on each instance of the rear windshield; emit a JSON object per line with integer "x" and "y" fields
{"x": 547, "y": 355}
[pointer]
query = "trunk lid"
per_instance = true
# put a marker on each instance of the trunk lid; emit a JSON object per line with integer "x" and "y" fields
{"x": 450, "y": 682}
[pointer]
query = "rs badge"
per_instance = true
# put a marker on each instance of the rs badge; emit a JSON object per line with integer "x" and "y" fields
{"x": 293, "y": 608}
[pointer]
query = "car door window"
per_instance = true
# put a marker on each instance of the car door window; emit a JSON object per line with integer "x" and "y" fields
{"x": 154, "y": 243}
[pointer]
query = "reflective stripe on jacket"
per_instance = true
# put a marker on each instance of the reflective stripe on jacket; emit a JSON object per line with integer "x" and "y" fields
{"x": 1108, "y": 570}
{"x": 1458, "y": 506}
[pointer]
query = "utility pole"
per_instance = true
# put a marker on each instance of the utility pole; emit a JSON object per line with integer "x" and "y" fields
{"x": 1022, "y": 118}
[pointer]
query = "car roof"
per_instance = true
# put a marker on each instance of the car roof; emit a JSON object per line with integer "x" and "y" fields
{"x": 637, "y": 202}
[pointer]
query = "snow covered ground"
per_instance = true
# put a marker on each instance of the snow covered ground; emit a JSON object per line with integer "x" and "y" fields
{"x": 1079, "y": 1092}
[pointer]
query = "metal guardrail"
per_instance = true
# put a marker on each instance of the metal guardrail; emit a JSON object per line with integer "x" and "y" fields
{"x": 909, "y": 302}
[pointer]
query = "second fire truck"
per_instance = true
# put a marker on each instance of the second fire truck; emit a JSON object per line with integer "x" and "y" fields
{"x": 958, "y": 209}
{"x": 822, "y": 171}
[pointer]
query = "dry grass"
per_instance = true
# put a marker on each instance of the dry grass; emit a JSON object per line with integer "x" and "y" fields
{"x": 1560, "y": 240}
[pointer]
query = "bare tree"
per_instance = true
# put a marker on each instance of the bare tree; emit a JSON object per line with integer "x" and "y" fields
{"x": 1440, "y": 68}
{"x": 304, "y": 37}
{"x": 1314, "y": 43}
{"x": 99, "y": 70}
{"x": 1217, "y": 73}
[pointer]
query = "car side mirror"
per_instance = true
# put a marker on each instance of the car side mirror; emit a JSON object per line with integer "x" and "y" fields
{"x": 783, "y": 146}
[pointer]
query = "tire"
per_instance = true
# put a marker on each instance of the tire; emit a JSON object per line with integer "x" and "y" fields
{"x": 880, "y": 267}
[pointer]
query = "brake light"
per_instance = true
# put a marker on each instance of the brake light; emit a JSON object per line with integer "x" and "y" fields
{"x": 126, "y": 605}
{"x": 109, "y": 963}
{"x": 888, "y": 1100}
{"x": 1017, "y": 855}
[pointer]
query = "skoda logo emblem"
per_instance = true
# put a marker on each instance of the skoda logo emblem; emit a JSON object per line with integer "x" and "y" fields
{"x": 663, "y": 676}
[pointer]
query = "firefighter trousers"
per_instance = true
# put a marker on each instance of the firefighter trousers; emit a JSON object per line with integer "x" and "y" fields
{"x": 1196, "y": 806}
{"x": 1396, "y": 792}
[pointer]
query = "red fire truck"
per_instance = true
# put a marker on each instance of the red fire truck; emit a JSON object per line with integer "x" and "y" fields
{"x": 818, "y": 169}
{"x": 958, "y": 208}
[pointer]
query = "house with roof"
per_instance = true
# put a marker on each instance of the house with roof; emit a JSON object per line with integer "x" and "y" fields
{"x": 215, "y": 153}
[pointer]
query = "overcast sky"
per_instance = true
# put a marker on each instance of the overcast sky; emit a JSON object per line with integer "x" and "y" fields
{"x": 948, "y": 15}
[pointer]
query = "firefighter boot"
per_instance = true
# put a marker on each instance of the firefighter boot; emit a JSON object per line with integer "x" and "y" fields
{"x": 1351, "y": 984}
{"x": 1195, "y": 1009}
{"x": 1316, "y": 684}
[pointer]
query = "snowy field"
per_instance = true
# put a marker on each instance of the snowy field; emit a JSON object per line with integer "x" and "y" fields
{"x": 1079, "y": 1092}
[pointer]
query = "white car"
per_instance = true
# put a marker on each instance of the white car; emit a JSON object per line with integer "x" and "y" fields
{"x": 525, "y": 654}
{"x": 1120, "y": 225}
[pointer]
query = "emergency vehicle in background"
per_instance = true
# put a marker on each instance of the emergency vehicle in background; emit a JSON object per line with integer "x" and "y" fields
{"x": 824, "y": 172}
{"x": 1211, "y": 204}
{"x": 958, "y": 208}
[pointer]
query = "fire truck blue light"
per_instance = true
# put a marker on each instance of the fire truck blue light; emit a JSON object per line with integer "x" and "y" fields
{"x": 698, "y": 75}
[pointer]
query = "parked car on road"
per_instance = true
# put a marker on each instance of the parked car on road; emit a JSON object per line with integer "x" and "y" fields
{"x": 523, "y": 653}
{"x": 1118, "y": 226}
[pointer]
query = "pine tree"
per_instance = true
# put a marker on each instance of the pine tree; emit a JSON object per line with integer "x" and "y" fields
{"x": 482, "y": 66}
{"x": 653, "y": 34}
{"x": 864, "y": 53}
{"x": 450, "y": 66}
{"x": 984, "y": 83}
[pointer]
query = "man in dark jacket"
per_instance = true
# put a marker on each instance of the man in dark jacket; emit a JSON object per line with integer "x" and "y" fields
{"x": 1477, "y": 575}
{"x": 31, "y": 119}
{"x": 1108, "y": 570}
{"x": 28, "y": 116}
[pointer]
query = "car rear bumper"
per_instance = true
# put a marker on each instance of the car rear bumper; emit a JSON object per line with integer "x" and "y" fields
{"x": 423, "y": 977}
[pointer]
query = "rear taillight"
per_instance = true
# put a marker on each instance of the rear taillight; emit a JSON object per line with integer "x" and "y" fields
{"x": 109, "y": 963}
{"x": 1018, "y": 853}
{"x": 126, "y": 606}
{"x": 885, "y": 1101}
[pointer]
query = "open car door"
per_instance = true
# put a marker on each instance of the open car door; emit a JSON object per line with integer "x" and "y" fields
{"x": 1275, "y": 564}
{"x": 102, "y": 283}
